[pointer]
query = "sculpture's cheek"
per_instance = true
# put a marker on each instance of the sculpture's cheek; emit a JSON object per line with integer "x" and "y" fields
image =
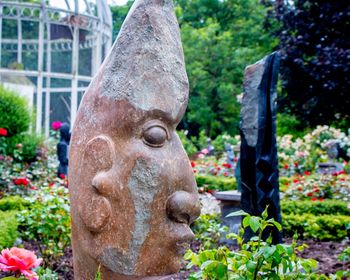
{"x": 95, "y": 213}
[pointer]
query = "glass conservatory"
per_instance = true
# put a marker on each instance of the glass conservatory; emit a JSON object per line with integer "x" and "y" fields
{"x": 49, "y": 51}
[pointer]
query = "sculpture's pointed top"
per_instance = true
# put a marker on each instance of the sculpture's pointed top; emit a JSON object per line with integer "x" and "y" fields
{"x": 146, "y": 64}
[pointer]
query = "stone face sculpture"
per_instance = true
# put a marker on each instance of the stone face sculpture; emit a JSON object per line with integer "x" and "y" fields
{"x": 62, "y": 150}
{"x": 133, "y": 193}
{"x": 259, "y": 164}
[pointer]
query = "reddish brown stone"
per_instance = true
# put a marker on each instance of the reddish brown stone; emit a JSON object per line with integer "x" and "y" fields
{"x": 132, "y": 188}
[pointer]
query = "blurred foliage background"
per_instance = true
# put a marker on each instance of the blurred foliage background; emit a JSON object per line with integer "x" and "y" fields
{"x": 221, "y": 37}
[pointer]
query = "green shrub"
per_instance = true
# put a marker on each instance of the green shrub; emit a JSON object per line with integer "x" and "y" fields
{"x": 219, "y": 142}
{"x": 14, "y": 112}
{"x": 323, "y": 228}
{"x": 209, "y": 182}
{"x": 13, "y": 203}
{"x": 289, "y": 124}
{"x": 208, "y": 230}
{"x": 190, "y": 148}
{"x": 47, "y": 221}
{"x": 8, "y": 229}
{"x": 326, "y": 207}
{"x": 29, "y": 146}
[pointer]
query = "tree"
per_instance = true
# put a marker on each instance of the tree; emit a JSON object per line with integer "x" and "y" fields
{"x": 220, "y": 38}
{"x": 316, "y": 60}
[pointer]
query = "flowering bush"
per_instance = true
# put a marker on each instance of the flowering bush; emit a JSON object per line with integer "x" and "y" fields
{"x": 302, "y": 154}
{"x": 319, "y": 187}
{"x": 49, "y": 204}
{"x": 209, "y": 165}
{"x": 20, "y": 261}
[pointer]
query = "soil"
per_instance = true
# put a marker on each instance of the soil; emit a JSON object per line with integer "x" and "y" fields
{"x": 325, "y": 253}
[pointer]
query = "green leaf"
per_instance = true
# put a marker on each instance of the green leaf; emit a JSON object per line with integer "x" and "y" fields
{"x": 251, "y": 266}
{"x": 265, "y": 214}
{"x": 254, "y": 223}
{"x": 237, "y": 213}
{"x": 268, "y": 251}
{"x": 9, "y": 278}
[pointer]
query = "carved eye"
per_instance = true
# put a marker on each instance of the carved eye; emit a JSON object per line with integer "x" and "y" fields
{"x": 155, "y": 136}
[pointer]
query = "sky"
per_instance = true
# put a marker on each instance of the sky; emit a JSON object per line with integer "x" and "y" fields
{"x": 117, "y": 2}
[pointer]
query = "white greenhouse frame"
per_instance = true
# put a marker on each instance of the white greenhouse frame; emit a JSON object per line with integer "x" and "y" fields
{"x": 96, "y": 21}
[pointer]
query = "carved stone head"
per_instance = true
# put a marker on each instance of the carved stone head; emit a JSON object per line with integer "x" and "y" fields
{"x": 133, "y": 193}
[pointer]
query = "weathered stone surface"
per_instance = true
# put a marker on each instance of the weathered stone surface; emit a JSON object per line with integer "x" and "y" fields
{"x": 259, "y": 164}
{"x": 133, "y": 193}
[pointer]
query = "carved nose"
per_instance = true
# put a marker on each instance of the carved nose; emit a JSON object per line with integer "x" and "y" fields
{"x": 183, "y": 207}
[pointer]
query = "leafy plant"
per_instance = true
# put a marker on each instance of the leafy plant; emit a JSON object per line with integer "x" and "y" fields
{"x": 256, "y": 259}
{"x": 208, "y": 230}
{"x": 15, "y": 113}
{"x": 326, "y": 207}
{"x": 48, "y": 221}
{"x": 8, "y": 229}
{"x": 324, "y": 227}
{"x": 13, "y": 203}
{"x": 210, "y": 182}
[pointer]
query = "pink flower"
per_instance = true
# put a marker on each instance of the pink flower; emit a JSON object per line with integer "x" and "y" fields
{"x": 17, "y": 259}
{"x": 3, "y": 131}
{"x": 56, "y": 125}
{"x": 349, "y": 206}
{"x": 62, "y": 176}
{"x": 205, "y": 151}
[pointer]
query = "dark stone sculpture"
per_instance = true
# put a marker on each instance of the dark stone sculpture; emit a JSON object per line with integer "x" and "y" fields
{"x": 62, "y": 150}
{"x": 133, "y": 192}
{"x": 259, "y": 164}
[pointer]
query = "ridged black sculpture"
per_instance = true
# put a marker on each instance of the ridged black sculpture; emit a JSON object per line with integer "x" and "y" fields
{"x": 259, "y": 163}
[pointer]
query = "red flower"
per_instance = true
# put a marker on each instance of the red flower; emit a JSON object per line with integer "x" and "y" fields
{"x": 193, "y": 164}
{"x": 235, "y": 159}
{"x": 56, "y": 125}
{"x": 3, "y": 131}
{"x": 316, "y": 190}
{"x": 215, "y": 173}
{"x": 62, "y": 176}
{"x": 21, "y": 181}
{"x": 33, "y": 188}
{"x": 321, "y": 199}
{"x": 16, "y": 259}
{"x": 296, "y": 164}
{"x": 218, "y": 168}
{"x": 307, "y": 173}
{"x": 286, "y": 166}
{"x": 309, "y": 194}
{"x": 300, "y": 189}
{"x": 296, "y": 181}
{"x": 225, "y": 174}
{"x": 194, "y": 171}
{"x": 227, "y": 165}
{"x": 313, "y": 198}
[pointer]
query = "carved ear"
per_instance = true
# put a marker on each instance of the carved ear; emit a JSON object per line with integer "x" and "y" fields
{"x": 98, "y": 158}
{"x": 101, "y": 152}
